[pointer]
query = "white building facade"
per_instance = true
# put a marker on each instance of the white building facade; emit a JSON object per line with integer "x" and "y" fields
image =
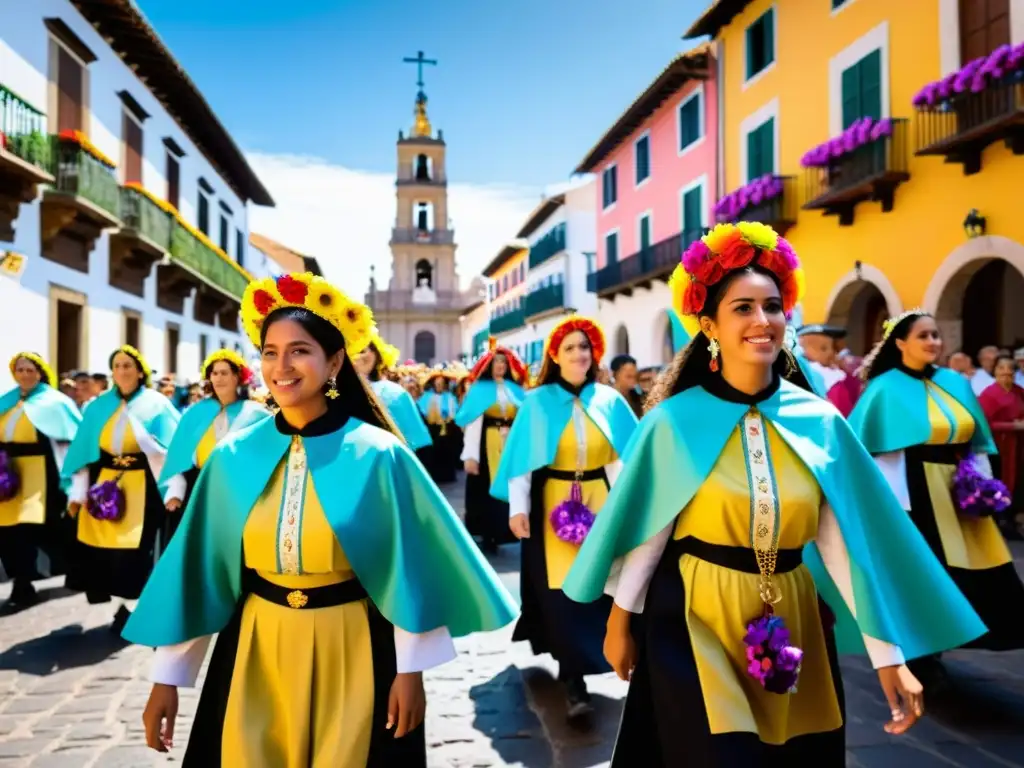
{"x": 131, "y": 226}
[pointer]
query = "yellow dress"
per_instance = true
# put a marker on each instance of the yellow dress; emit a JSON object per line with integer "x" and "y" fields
{"x": 967, "y": 542}
{"x": 559, "y": 555}
{"x": 494, "y": 437}
{"x": 29, "y": 504}
{"x": 302, "y": 688}
{"x": 720, "y": 602}
{"x": 206, "y": 445}
{"x": 118, "y": 439}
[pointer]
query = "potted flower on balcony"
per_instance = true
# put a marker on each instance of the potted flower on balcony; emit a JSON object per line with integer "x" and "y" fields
{"x": 757, "y": 192}
{"x": 1004, "y": 65}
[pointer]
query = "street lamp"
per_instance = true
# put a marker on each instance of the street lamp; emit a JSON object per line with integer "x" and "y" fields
{"x": 974, "y": 224}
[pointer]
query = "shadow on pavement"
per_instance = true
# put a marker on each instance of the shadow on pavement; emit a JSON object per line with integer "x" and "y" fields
{"x": 43, "y": 595}
{"x": 66, "y": 648}
{"x": 502, "y": 714}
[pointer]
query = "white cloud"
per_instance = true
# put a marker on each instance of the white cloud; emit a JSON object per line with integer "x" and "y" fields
{"x": 344, "y": 217}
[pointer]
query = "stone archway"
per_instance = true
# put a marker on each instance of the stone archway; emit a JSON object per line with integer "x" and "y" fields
{"x": 424, "y": 347}
{"x": 975, "y": 294}
{"x": 861, "y": 301}
{"x": 621, "y": 340}
{"x": 663, "y": 344}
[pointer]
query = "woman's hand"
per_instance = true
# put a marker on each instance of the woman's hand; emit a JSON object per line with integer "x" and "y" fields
{"x": 159, "y": 716}
{"x": 905, "y": 696}
{"x": 520, "y": 526}
{"x": 619, "y": 645}
{"x": 407, "y": 703}
{"x": 471, "y": 467}
{"x": 73, "y": 508}
{"x": 173, "y": 505}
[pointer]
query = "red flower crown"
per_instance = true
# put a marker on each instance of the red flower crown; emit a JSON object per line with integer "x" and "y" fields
{"x": 593, "y": 332}
{"x": 515, "y": 365}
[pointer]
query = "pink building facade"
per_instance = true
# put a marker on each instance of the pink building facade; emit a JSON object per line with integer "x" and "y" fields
{"x": 656, "y": 173}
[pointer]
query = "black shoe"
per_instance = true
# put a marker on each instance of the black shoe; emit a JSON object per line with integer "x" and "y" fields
{"x": 120, "y": 619}
{"x": 95, "y": 598}
{"x": 23, "y": 595}
{"x": 578, "y": 706}
{"x": 490, "y": 546}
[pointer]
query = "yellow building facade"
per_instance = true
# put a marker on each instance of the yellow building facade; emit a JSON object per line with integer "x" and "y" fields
{"x": 882, "y": 230}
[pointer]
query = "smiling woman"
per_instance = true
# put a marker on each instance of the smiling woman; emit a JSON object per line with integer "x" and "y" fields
{"x": 326, "y": 616}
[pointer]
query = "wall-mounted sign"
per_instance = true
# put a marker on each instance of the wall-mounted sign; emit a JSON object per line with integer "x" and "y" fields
{"x": 12, "y": 264}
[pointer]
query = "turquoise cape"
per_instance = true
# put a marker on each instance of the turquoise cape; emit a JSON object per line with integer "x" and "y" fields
{"x": 195, "y": 422}
{"x": 533, "y": 440}
{"x": 815, "y": 379}
{"x": 482, "y": 394}
{"x": 51, "y": 412}
{"x": 154, "y": 411}
{"x": 402, "y": 409}
{"x": 901, "y": 592}
{"x": 404, "y": 542}
{"x": 680, "y": 337}
{"x": 892, "y": 414}
{"x": 449, "y": 405}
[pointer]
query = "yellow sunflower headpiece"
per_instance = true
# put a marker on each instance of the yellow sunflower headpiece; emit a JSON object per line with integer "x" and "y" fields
{"x": 386, "y": 353}
{"x": 49, "y": 377}
{"x": 228, "y": 356}
{"x": 134, "y": 354}
{"x": 353, "y": 320}
{"x": 724, "y": 249}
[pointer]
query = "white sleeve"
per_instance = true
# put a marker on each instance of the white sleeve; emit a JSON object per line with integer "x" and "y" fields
{"x": 415, "y": 652}
{"x": 79, "y": 486}
{"x": 629, "y": 579}
{"x": 611, "y": 471}
{"x": 176, "y": 488}
{"x": 60, "y": 451}
{"x": 519, "y": 495}
{"x": 471, "y": 440}
{"x": 837, "y": 562}
{"x": 983, "y": 465}
{"x": 179, "y": 665}
{"x": 894, "y": 469}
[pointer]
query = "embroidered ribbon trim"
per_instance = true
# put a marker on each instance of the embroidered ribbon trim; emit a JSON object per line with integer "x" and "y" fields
{"x": 289, "y": 523}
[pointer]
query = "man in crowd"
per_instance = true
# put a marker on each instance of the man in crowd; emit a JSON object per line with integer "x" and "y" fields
{"x": 819, "y": 343}
{"x": 646, "y": 379}
{"x": 100, "y": 384}
{"x": 624, "y": 378}
{"x": 983, "y": 377}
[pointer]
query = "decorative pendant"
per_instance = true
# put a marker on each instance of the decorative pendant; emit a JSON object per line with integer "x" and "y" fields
{"x": 572, "y": 519}
{"x": 771, "y": 660}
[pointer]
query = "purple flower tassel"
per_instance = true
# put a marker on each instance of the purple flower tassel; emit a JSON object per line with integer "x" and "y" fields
{"x": 106, "y": 501}
{"x": 572, "y": 519}
{"x": 771, "y": 660}
{"x": 10, "y": 483}
{"x": 977, "y": 495}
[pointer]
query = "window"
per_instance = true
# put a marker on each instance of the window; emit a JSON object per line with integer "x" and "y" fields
{"x": 611, "y": 247}
{"x": 862, "y": 89}
{"x": 838, "y": 4}
{"x": 610, "y": 186}
{"x": 644, "y": 231}
{"x": 691, "y": 119}
{"x": 693, "y": 219}
{"x": 984, "y": 26}
{"x": 70, "y": 90}
{"x": 131, "y": 131}
{"x": 204, "y": 344}
{"x": 203, "y": 213}
{"x": 173, "y": 180}
{"x": 225, "y": 228}
{"x": 504, "y": 283}
{"x": 173, "y": 338}
{"x": 240, "y": 247}
{"x": 642, "y": 156}
{"x": 132, "y": 328}
{"x": 761, "y": 150}
{"x": 761, "y": 43}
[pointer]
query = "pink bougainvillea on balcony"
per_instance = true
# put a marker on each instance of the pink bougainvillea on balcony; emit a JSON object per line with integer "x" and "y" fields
{"x": 758, "y": 191}
{"x": 862, "y": 132}
{"x": 973, "y": 77}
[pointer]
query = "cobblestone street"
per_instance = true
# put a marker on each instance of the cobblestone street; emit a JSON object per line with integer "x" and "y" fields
{"x": 71, "y": 695}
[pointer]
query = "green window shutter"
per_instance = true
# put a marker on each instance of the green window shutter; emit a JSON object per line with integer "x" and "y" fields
{"x": 611, "y": 248}
{"x": 753, "y": 154}
{"x": 692, "y": 219}
{"x": 768, "y": 36}
{"x": 851, "y": 95}
{"x": 645, "y": 233}
{"x": 871, "y": 85}
{"x": 689, "y": 122}
{"x": 752, "y": 43}
{"x": 643, "y": 159}
{"x": 767, "y": 138}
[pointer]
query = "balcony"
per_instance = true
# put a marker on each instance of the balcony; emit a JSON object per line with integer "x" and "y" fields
{"x": 85, "y": 199}
{"x": 870, "y": 172}
{"x": 407, "y": 302}
{"x": 143, "y": 241}
{"x": 778, "y": 209}
{"x": 192, "y": 252}
{"x": 960, "y": 128}
{"x": 480, "y": 342}
{"x": 549, "y": 245}
{"x": 24, "y": 158}
{"x": 409, "y": 235}
{"x": 543, "y": 300}
{"x": 510, "y": 321}
{"x": 641, "y": 269}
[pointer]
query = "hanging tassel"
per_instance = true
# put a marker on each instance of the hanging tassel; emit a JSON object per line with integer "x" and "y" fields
{"x": 572, "y": 519}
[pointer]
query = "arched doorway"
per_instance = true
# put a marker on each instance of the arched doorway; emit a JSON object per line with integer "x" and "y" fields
{"x": 861, "y": 309}
{"x": 424, "y": 347}
{"x": 621, "y": 341}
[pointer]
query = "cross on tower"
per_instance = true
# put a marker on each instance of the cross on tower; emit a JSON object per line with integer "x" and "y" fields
{"x": 419, "y": 61}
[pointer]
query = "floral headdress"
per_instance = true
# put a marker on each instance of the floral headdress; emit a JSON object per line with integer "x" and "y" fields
{"x": 134, "y": 354}
{"x": 386, "y": 353}
{"x": 593, "y": 332}
{"x": 49, "y": 377}
{"x": 353, "y": 320}
{"x": 515, "y": 365}
{"x": 890, "y": 325}
{"x": 726, "y": 248}
{"x": 228, "y": 356}
{"x": 438, "y": 371}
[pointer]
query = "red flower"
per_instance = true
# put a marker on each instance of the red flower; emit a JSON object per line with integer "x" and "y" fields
{"x": 694, "y": 298}
{"x": 291, "y": 290}
{"x": 709, "y": 273}
{"x": 774, "y": 262}
{"x": 245, "y": 375}
{"x": 738, "y": 253}
{"x": 790, "y": 292}
{"x": 263, "y": 301}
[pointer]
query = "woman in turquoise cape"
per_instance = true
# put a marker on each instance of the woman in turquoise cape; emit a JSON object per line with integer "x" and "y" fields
{"x": 399, "y": 404}
{"x": 920, "y": 422}
{"x": 113, "y": 465}
{"x": 37, "y": 422}
{"x": 438, "y": 407}
{"x": 486, "y": 415}
{"x": 225, "y": 408}
{"x": 560, "y": 458}
{"x": 743, "y": 499}
{"x": 317, "y": 547}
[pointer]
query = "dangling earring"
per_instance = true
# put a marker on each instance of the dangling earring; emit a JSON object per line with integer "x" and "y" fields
{"x": 713, "y": 348}
{"x": 332, "y": 388}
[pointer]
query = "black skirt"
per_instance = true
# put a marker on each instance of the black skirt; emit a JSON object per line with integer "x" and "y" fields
{"x": 996, "y": 594}
{"x": 487, "y": 516}
{"x": 174, "y": 518}
{"x": 664, "y": 721}
{"x": 573, "y": 633}
{"x": 104, "y": 572}
{"x": 205, "y": 740}
{"x": 443, "y": 453}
